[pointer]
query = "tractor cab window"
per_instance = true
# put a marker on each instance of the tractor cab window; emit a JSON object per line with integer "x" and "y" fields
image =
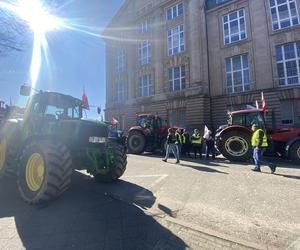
{"x": 255, "y": 117}
{"x": 57, "y": 113}
{"x": 238, "y": 120}
{"x": 54, "y": 113}
{"x": 145, "y": 122}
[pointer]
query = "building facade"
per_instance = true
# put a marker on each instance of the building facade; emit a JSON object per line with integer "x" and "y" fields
{"x": 192, "y": 61}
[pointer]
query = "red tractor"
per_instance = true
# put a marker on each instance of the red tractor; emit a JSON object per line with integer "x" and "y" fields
{"x": 149, "y": 134}
{"x": 234, "y": 140}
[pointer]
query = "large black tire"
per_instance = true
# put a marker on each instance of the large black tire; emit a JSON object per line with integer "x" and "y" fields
{"x": 236, "y": 146}
{"x": 136, "y": 142}
{"x": 56, "y": 176}
{"x": 115, "y": 172}
{"x": 295, "y": 152}
{"x": 6, "y": 169}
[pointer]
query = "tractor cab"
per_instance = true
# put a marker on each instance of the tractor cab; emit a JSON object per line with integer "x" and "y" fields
{"x": 149, "y": 134}
{"x": 150, "y": 124}
{"x": 246, "y": 118}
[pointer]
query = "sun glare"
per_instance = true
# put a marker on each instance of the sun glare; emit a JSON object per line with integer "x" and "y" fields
{"x": 41, "y": 21}
{"x": 37, "y": 16}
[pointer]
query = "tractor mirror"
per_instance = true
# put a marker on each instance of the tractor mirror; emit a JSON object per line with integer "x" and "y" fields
{"x": 25, "y": 90}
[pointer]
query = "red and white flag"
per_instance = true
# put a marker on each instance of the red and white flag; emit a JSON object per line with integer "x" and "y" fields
{"x": 114, "y": 121}
{"x": 85, "y": 101}
{"x": 206, "y": 134}
{"x": 263, "y": 102}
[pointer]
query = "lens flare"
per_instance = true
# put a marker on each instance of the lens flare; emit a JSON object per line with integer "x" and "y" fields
{"x": 41, "y": 21}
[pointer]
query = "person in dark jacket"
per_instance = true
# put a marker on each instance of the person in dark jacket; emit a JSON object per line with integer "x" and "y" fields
{"x": 186, "y": 144}
{"x": 259, "y": 144}
{"x": 171, "y": 146}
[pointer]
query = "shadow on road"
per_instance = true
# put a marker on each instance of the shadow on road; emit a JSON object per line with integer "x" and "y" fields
{"x": 288, "y": 176}
{"x": 203, "y": 169}
{"x": 81, "y": 219}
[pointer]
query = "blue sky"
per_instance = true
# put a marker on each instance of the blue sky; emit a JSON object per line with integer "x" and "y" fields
{"x": 77, "y": 60}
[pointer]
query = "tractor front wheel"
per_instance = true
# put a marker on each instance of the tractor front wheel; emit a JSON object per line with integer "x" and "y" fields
{"x": 235, "y": 146}
{"x": 295, "y": 152}
{"x": 120, "y": 162}
{"x": 136, "y": 142}
{"x": 45, "y": 171}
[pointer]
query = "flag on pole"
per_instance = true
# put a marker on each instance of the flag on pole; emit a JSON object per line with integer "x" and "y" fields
{"x": 206, "y": 134}
{"x": 114, "y": 121}
{"x": 263, "y": 102}
{"x": 85, "y": 101}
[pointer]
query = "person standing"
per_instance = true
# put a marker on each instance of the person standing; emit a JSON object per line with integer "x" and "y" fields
{"x": 210, "y": 145}
{"x": 197, "y": 143}
{"x": 259, "y": 144}
{"x": 186, "y": 143}
{"x": 171, "y": 146}
{"x": 178, "y": 142}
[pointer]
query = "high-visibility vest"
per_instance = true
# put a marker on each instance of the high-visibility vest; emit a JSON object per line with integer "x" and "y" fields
{"x": 254, "y": 139}
{"x": 183, "y": 139}
{"x": 196, "y": 139}
{"x": 178, "y": 138}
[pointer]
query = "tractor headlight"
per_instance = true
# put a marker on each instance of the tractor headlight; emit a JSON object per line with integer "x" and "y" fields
{"x": 94, "y": 139}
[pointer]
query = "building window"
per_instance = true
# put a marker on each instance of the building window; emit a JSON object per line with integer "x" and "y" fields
{"x": 177, "y": 78}
{"x": 121, "y": 62}
{"x": 174, "y": 11}
{"x": 287, "y": 112}
{"x": 176, "y": 117}
{"x": 145, "y": 86}
{"x": 234, "y": 27}
{"x": 288, "y": 63}
{"x": 175, "y": 40}
{"x": 237, "y": 74}
{"x": 144, "y": 53}
{"x": 284, "y": 13}
{"x": 121, "y": 92}
{"x": 144, "y": 27}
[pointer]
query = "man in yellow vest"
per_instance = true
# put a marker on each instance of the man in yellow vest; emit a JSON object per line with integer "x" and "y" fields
{"x": 197, "y": 143}
{"x": 259, "y": 143}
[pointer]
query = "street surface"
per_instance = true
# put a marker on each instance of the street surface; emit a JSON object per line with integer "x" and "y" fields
{"x": 159, "y": 205}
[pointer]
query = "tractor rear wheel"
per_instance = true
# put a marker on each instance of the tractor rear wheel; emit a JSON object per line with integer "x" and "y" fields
{"x": 45, "y": 171}
{"x": 236, "y": 146}
{"x": 295, "y": 152}
{"x": 120, "y": 163}
{"x": 136, "y": 142}
{"x": 5, "y": 169}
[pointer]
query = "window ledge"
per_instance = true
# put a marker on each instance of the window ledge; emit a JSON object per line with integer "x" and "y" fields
{"x": 291, "y": 28}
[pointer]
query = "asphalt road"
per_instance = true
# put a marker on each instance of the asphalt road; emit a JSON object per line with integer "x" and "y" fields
{"x": 135, "y": 212}
{"x": 226, "y": 197}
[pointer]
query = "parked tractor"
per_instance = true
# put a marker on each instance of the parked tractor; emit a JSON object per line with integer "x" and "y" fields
{"x": 149, "y": 134}
{"x": 234, "y": 140}
{"x": 44, "y": 145}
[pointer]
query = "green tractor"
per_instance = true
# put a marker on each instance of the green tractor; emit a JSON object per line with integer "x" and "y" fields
{"x": 49, "y": 140}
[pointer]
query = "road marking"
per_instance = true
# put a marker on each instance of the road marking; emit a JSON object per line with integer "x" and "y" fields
{"x": 295, "y": 245}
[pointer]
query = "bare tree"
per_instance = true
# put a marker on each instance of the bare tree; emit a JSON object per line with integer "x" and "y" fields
{"x": 13, "y": 32}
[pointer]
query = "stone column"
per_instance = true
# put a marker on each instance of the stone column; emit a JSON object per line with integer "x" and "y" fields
{"x": 158, "y": 50}
{"x": 193, "y": 38}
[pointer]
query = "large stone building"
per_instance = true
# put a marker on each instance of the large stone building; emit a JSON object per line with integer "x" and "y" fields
{"x": 192, "y": 61}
